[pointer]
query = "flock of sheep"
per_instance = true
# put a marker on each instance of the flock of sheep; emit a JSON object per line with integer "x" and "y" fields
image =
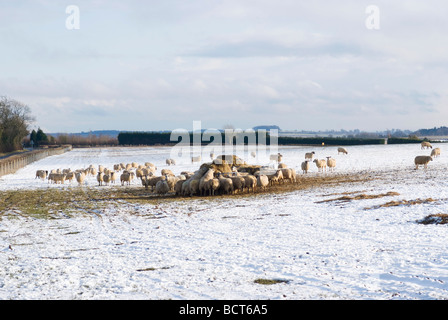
{"x": 206, "y": 180}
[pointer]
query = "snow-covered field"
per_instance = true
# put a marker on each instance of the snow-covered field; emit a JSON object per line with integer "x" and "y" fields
{"x": 214, "y": 248}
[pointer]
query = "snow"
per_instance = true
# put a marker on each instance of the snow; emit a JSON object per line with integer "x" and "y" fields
{"x": 215, "y": 247}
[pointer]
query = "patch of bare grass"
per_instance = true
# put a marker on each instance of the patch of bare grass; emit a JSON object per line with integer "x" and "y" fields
{"x": 402, "y": 203}
{"x": 439, "y": 218}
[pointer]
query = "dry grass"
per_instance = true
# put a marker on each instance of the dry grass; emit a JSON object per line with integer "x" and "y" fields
{"x": 401, "y": 203}
{"x": 362, "y": 197}
{"x": 439, "y": 218}
{"x": 49, "y": 203}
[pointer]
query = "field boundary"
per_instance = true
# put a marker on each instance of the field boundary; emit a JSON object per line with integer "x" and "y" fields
{"x": 15, "y": 162}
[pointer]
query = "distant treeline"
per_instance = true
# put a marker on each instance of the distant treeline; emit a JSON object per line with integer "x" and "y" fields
{"x": 158, "y": 138}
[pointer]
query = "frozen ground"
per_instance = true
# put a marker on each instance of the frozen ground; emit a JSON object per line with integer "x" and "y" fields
{"x": 214, "y": 248}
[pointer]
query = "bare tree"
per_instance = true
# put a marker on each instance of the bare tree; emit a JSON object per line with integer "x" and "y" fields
{"x": 15, "y": 118}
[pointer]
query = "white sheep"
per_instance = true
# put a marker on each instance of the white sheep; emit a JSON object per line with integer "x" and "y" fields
{"x": 211, "y": 186}
{"x": 289, "y": 174}
{"x": 276, "y": 177}
{"x": 422, "y": 160}
{"x": 238, "y": 183}
{"x": 426, "y": 145}
{"x": 276, "y": 157}
{"x": 203, "y": 181}
{"x": 162, "y": 187}
{"x": 321, "y": 165}
{"x": 309, "y": 155}
{"x": 282, "y": 166}
{"x": 331, "y": 163}
{"x": 305, "y": 166}
{"x": 435, "y": 152}
{"x": 250, "y": 182}
{"x": 262, "y": 181}
{"x": 41, "y": 174}
{"x": 225, "y": 185}
{"x": 342, "y": 150}
{"x": 80, "y": 176}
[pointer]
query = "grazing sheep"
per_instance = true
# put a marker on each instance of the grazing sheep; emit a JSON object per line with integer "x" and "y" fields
{"x": 238, "y": 183}
{"x": 422, "y": 160}
{"x": 41, "y": 174}
{"x": 426, "y": 145}
{"x": 212, "y": 186}
{"x": 435, "y": 152}
{"x": 125, "y": 177}
{"x": 202, "y": 182}
{"x": 193, "y": 187}
{"x": 225, "y": 185}
{"x": 250, "y": 182}
{"x": 331, "y": 163}
{"x": 282, "y": 166}
{"x": 276, "y": 157}
{"x": 195, "y": 159}
{"x": 178, "y": 187}
{"x": 162, "y": 187}
{"x": 289, "y": 174}
{"x": 321, "y": 165}
{"x": 309, "y": 155}
{"x": 277, "y": 177}
{"x": 342, "y": 150}
{"x": 262, "y": 181}
{"x": 305, "y": 166}
{"x": 80, "y": 176}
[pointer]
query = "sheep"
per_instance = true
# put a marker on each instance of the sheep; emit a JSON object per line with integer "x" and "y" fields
{"x": 253, "y": 154}
{"x": 193, "y": 187}
{"x": 250, "y": 182}
{"x": 305, "y": 166}
{"x": 225, "y": 185}
{"x": 282, "y": 166}
{"x": 342, "y": 150}
{"x": 331, "y": 163}
{"x": 167, "y": 172}
{"x": 162, "y": 187}
{"x": 207, "y": 176}
{"x": 100, "y": 168}
{"x": 80, "y": 176}
{"x": 178, "y": 187}
{"x": 422, "y": 160}
{"x": 289, "y": 174}
{"x": 238, "y": 183}
{"x": 106, "y": 179}
{"x": 125, "y": 177}
{"x": 435, "y": 152}
{"x": 262, "y": 181}
{"x": 99, "y": 178}
{"x": 171, "y": 180}
{"x": 212, "y": 186}
{"x": 309, "y": 155}
{"x": 57, "y": 177}
{"x": 426, "y": 145}
{"x": 41, "y": 174}
{"x": 195, "y": 159}
{"x": 276, "y": 157}
{"x": 152, "y": 181}
{"x": 69, "y": 176}
{"x": 113, "y": 177}
{"x": 170, "y": 162}
{"x": 321, "y": 165}
{"x": 276, "y": 177}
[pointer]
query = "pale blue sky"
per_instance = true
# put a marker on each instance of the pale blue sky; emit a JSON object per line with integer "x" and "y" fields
{"x": 160, "y": 65}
